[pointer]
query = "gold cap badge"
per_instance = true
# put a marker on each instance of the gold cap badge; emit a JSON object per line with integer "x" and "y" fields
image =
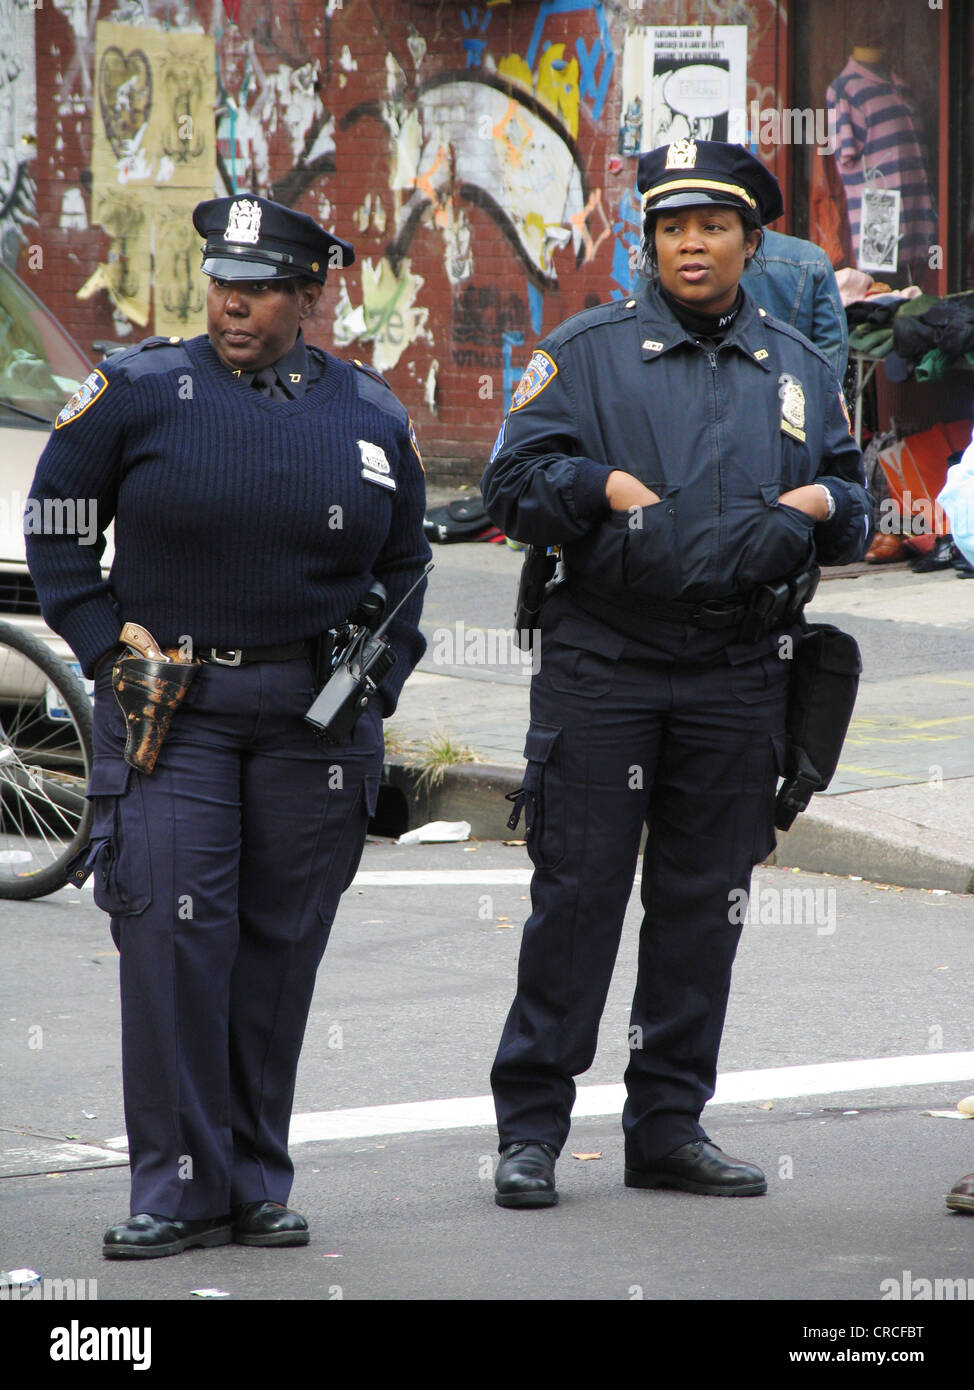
{"x": 682, "y": 154}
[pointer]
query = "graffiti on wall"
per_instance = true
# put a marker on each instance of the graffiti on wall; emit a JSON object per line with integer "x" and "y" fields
{"x": 18, "y": 125}
{"x": 501, "y": 135}
{"x": 153, "y": 160}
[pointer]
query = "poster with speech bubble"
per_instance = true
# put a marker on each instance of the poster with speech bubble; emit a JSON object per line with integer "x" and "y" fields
{"x": 687, "y": 82}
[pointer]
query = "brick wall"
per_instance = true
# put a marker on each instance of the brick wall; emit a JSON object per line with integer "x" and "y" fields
{"x": 473, "y": 163}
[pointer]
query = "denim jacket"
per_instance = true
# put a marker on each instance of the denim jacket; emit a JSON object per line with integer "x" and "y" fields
{"x": 797, "y": 285}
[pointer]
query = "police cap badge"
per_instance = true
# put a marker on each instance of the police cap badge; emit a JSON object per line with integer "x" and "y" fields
{"x": 251, "y": 238}
{"x": 690, "y": 172}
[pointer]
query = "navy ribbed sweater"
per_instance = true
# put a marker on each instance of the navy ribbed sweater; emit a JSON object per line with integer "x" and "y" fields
{"x": 239, "y": 521}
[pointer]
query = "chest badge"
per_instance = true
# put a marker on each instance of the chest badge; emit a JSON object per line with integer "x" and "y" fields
{"x": 792, "y": 398}
{"x": 375, "y": 465}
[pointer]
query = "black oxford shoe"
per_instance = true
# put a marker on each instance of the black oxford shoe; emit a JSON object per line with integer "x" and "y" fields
{"x": 525, "y": 1176}
{"x": 701, "y": 1167}
{"x": 937, "y": 558}
{"x": 148, "y": 1237}
{"x": 269, "y": 1223}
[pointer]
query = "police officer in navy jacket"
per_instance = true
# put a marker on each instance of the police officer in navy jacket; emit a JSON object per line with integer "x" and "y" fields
{"x": 690, "y": 455}
{"x": 258, "y": 486}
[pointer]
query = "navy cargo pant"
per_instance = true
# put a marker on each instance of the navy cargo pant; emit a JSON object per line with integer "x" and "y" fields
{"x": 692, "y": 750}
{"x": 222, "y": 870}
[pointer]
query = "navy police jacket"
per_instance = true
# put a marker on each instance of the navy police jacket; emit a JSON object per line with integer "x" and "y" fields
{"x": 719, "y": 435}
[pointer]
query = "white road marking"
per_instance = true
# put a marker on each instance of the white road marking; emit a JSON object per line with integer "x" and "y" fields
{"x": 733, "y": 1088}
{"x": 408, "y": 878}
{"x": 54, "y": 1157}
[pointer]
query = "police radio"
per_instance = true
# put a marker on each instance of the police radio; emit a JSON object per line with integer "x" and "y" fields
{"x": 361, "y": 659}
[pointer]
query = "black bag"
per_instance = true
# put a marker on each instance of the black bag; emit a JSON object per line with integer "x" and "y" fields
{"x": 464, "y": 519}
{"x": 821, "y": 698}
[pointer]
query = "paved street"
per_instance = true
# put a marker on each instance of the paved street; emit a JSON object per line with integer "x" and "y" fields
{"x": 408, "y": 1008}
{"x": 849, "y": 1020}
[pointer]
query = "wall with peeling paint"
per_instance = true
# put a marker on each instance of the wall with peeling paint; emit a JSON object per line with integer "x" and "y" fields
{"x": 469, "y": 150}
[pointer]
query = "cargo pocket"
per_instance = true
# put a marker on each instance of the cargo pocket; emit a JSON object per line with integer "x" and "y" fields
{"x": 343, "y": 830}
{"x": 370, "y": 801}
{"x": 765, "y": 840}
{"x": 544, "y": 824}
{"x": 118, "y": 853}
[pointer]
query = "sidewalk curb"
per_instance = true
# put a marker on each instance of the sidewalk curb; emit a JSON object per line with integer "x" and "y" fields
{"x": 836, "y": 837}
{"x": 832, "y": 836}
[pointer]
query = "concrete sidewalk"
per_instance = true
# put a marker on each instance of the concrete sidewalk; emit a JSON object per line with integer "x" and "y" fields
{"x": 901, "y": 807}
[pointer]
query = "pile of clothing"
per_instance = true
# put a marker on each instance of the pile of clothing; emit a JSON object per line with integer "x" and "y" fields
{"x": 915, "y": 334}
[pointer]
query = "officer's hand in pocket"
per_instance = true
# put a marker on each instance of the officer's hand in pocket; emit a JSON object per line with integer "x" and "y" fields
{"x": 623, "y": 491}
{"x": 810, "y": 499}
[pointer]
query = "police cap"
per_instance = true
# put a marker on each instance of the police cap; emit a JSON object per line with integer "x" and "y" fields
{"x": 690, "y": 172}
{"x": 251, "y": 238}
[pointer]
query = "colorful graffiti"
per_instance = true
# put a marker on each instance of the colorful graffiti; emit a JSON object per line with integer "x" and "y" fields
{"x": 491, "y": 207}
{"x": 18, "y": 115}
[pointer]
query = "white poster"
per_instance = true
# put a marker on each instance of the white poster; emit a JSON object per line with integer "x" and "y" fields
{"x": 684, "y": 82}
{"x": 18, "y": 125}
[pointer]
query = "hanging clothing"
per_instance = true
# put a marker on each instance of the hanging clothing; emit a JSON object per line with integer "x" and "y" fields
{"x": 878, "y": 127}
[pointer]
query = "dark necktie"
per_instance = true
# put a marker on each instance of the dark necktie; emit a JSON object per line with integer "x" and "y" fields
{"x": 266, "y": 382}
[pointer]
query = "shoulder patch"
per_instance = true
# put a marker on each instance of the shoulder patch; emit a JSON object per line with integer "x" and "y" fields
{"x": 87, "y": 393}
{"x": 415, "y": 443}
{"x": 499, "y": 441}
{"x": 845, "y": 411}
{"x": 538, "y": 373}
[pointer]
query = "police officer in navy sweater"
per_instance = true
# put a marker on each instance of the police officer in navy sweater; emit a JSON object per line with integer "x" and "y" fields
{"x": 690, "y": 454}
{"x": 258, "y": 486}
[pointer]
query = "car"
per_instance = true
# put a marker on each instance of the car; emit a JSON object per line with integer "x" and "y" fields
{"x": 40, "y": 367}
{"x": 45, "y": 715}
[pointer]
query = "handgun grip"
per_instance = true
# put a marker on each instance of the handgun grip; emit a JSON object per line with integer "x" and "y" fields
{"x": 140, "y": 639}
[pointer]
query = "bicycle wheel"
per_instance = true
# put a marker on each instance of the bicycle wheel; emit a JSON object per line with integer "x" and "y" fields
{"x": 45, "y": 760}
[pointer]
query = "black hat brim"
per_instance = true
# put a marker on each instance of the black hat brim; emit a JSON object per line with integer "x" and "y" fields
{"x": 236, "y": 268}
{"x": 690, "y": 198}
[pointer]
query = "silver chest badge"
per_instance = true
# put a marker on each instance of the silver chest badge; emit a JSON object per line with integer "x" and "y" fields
{"x": 243, "y": 222}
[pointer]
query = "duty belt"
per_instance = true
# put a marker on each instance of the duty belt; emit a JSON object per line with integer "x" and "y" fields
{"x": 753, "y": 615}
{"x": 246, "y": 656}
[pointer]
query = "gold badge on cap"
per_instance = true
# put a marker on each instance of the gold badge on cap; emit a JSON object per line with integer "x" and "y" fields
{"x": 682, "y": 154}
{"x": 792, "y": 398}
{"x": 243, "y": 222}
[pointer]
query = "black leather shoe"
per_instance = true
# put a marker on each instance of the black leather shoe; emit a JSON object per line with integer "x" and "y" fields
{"x": 525, "y": 1176}
{"x": 701, "y": 1167}
{"x": 148, "y": 1237}
{"x": 937, "y": 558}
{"x": 962, "y": 566}
{"x": 269, "y": 1223}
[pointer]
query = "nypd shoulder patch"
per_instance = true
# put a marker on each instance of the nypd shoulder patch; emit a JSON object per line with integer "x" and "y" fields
{"x": 539, "y": 371}
{"x": 87, "y": 393}
{"x": 845, "y": 411}
{"x": 498, "y": 442}
{"x": 415, "y": 443}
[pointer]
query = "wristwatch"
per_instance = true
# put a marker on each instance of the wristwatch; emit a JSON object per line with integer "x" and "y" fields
{"x": 830, "y": 499}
